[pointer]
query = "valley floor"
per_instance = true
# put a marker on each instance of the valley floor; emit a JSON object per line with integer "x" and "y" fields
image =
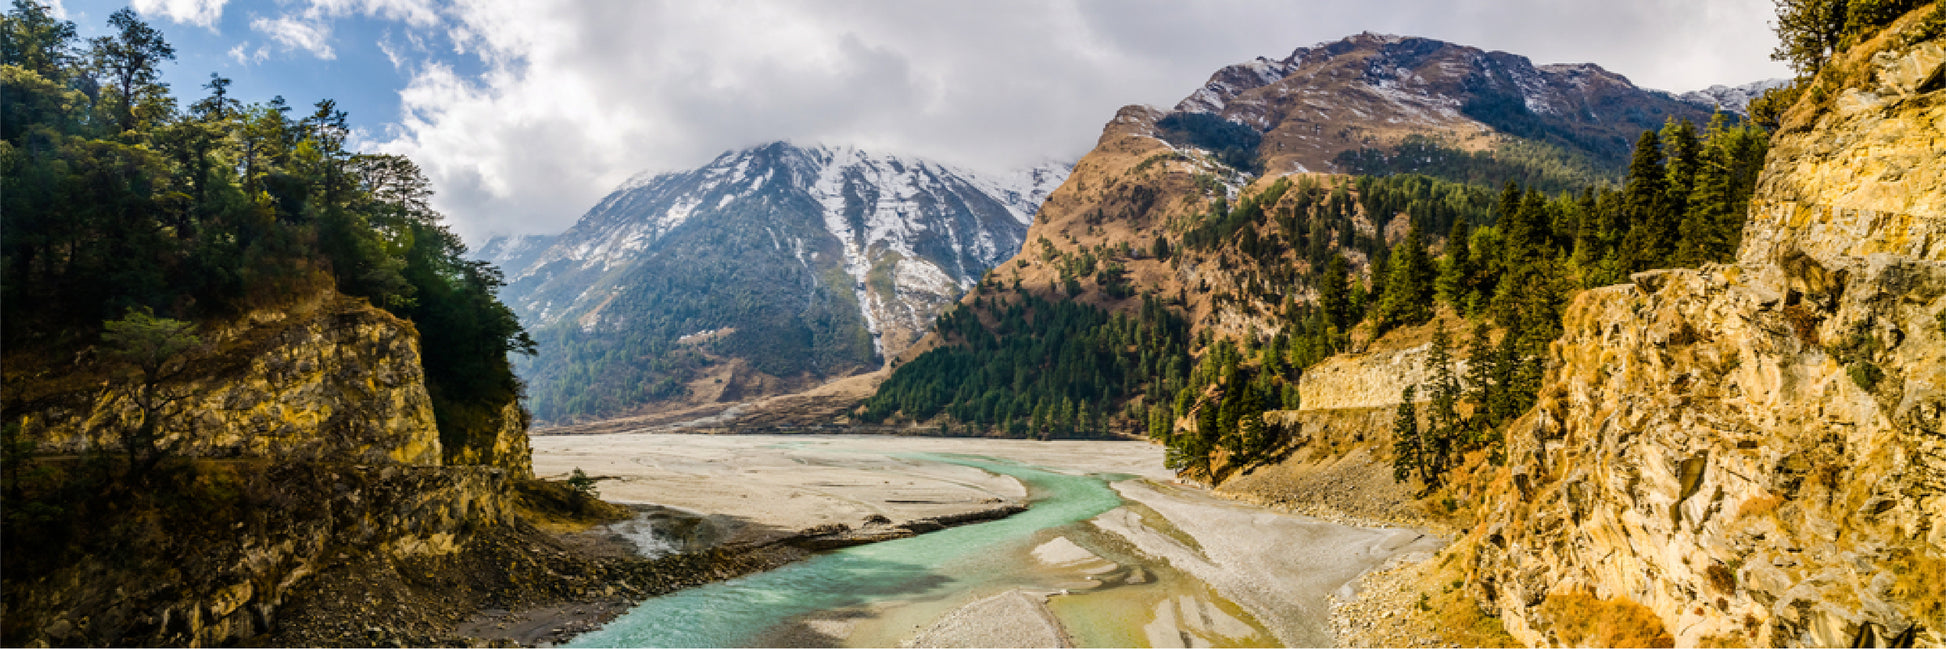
{"x": 1261, "y": 568}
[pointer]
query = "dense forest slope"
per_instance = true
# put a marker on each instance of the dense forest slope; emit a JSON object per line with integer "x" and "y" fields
{"x": 771, "y": 269}
{"x": 1754, "y": 450}
{"x": 1167, "y": 280}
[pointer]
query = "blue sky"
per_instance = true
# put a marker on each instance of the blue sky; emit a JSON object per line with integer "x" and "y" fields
{"x": 356, "y": 71}
{"x": 523, "y": 113}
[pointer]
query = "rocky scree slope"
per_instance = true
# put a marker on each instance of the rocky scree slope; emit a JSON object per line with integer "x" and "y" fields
{"x": 768, "y": 270}
{"x": 1754, "y": 451}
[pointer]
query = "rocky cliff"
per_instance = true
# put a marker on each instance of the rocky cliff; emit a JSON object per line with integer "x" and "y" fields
{"x": 1754, "y": 451}
{"x": 327, "y": 379}
{"x": 303, "y": 444}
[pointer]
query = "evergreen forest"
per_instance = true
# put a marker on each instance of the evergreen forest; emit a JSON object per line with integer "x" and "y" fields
{"x": 124, "y": 204}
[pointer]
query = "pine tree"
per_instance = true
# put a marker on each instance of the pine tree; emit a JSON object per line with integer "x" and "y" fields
{"x": 1250, "y": 427}
{"x": 1456, "y": 269}
{"x": 1480, "y": 369}
{"x": 132, "y": 58}
{"x": 1444, "y": 424}
{"x": 1683, "y": 150}
{"x": 1332, "y": 295}
{"x": 1409, "y": 287}
{"x": 1808, "y": 33}
{"x": 1644, "y": 200}
{"x": 1407, "y": 452}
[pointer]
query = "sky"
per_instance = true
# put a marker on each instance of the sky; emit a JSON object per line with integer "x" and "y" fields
{"x": 524, "y": 113}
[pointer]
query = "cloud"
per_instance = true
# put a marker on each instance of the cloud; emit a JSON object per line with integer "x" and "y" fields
{"x": 201, "y": 13}
{"x": 310, "y": 27}
{"x": 298, "y": 34}
{"x": 558, "y": 102}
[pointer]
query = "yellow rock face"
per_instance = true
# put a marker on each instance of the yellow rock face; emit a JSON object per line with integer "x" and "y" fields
{"x": 1756, "y": 452}
{"x": 334, "y": 380}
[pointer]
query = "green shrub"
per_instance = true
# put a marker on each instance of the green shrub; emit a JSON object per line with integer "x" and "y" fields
{"x": 583, "y": 485}
{"x": 1865, "y": 374}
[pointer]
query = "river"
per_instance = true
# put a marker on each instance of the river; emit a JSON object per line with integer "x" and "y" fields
{"x": 1100, "y": 558}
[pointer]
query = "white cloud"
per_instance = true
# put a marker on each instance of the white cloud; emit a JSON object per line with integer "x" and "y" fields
{"x": 417, "y": 13}
{"x": 243, "y": 56}
{"x": 201, "y": 13}
{"x": 575, "y": 97}
{"x": 298, "y": 34}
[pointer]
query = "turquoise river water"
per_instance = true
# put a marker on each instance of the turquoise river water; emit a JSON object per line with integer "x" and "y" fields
{"x": 923, "y": 576}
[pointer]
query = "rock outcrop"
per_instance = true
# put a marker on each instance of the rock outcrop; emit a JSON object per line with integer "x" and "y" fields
{"x": 1368, "y": 380}
{"x": 1755, "y": 451}
{"x": 330, "y": 379}
{"x": 506, "y": 448}
{"x": 213, "y": 564}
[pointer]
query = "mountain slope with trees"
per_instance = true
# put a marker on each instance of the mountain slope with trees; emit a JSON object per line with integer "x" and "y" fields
{"x": 1269, "y": 274}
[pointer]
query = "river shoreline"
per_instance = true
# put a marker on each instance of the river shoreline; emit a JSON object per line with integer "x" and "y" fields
{"x": 818, "y": 493}
{"x": 555, "y": 623}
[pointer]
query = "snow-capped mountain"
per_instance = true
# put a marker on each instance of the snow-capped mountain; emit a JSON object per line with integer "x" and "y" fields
{"x": 768, "y": 269}
{"x": 1735, "y": 99}
{"x": 511, "y": 252}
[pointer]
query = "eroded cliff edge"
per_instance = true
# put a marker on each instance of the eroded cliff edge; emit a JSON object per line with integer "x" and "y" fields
{"x": 303, "y": 452}
{"x": 1757, "y": 451}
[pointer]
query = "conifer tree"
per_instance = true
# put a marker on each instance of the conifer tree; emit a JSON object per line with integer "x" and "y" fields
{"x": 1409, "y": 288}
{"x": 1644, "y": 200}
{"x": 1808, "y": 33}
{"x": 1444, "y": 424}
{"x": 1456, "y": 269}
{"x": 1683, "y": 150}
{"x": 1332, "y": 293}
{"x": 132, "y": 58}
{"x": 1480, "y": 370}
{"x": 1407, "y": 451}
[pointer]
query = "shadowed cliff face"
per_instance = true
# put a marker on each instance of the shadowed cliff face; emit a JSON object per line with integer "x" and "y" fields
{"x": 1755, "y": 451}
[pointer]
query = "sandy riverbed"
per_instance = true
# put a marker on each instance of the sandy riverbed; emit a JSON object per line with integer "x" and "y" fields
{"x": 1274, "y": 567}
{"x": 762, "y": 485}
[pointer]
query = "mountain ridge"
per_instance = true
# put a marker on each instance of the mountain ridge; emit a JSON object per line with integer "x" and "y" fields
{"x": 772, "y": 268}
{"x": 1424, "y": 86}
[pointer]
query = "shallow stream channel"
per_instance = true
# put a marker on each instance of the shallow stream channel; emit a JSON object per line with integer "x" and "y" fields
{"x": 1096, "y": 560}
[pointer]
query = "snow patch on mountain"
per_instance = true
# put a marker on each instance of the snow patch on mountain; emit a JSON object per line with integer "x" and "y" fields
{"x": 1735, "y": 99}
{"x": 928, "y": 230}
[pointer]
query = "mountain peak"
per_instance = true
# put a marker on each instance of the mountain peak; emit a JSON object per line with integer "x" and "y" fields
{"x": 800, "y": 263}
{"x": 1372, "y": 91}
